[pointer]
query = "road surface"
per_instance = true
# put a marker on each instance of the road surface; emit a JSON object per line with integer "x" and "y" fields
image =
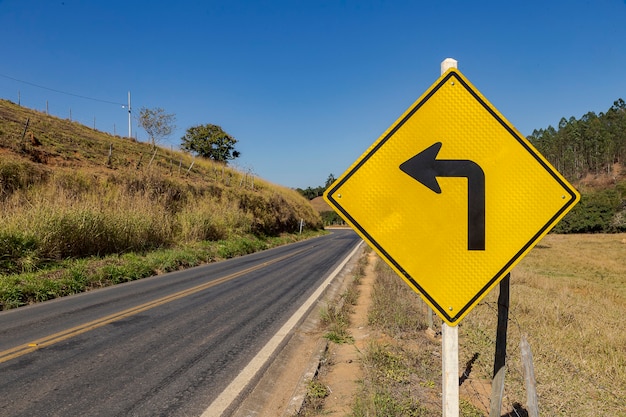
{"x": 161, "y": 346}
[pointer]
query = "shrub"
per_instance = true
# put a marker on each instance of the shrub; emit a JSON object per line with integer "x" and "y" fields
{"x": 19, "y": 252}
{"x": 210, "y": 219}
{"x": 86, "y": 231}
{"x": 19, "y": 175}
{"x": 595, "y": 213}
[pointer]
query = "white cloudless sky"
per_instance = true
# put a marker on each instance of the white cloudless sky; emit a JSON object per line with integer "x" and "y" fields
{"x": 306, "y": 86}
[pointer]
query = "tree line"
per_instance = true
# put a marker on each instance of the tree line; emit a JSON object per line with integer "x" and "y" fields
{"x": 313, "y": 192}
{"x": 328, "y": 217}
{"x": 592, "y": 144}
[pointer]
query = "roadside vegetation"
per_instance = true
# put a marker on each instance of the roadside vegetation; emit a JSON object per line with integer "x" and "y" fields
{"x": 335, "y": 316}
{"x": 81, "y": 209}
{"x": 403, "y": 361}
{"x": 391, "y": 365}
{"x": 335, "y": 323}
{"x": 567, "y": 298}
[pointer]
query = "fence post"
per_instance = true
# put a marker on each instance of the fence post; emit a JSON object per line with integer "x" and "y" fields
{"x": 429, "y": 317}
{"x": 529, "y": 378}
{"x": 191, "y": 166}
{"x": 497, "y": 384}
{"x": 153, "y": 155}
{"x": 24, "y": 133}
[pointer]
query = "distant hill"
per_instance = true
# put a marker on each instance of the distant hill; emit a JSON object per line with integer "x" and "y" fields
{"x": 320, "y": 205}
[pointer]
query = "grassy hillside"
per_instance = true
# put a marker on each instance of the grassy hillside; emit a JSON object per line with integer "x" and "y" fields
{"x": 70, "y": 193}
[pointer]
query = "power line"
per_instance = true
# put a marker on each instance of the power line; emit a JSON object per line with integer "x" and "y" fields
{"x": 62, "y": 92}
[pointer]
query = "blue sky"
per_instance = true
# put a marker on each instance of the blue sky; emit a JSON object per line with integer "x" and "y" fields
{"x": 307, "y": 86}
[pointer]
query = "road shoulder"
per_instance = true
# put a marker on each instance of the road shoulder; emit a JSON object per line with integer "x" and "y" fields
{"x": 281, "y": 389}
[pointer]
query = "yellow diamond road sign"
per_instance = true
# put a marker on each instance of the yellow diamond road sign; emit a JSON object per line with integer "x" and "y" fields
{"x": 452, "y": 196}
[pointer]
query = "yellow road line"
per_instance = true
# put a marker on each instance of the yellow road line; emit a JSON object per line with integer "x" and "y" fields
{"x": 24, "y": 349}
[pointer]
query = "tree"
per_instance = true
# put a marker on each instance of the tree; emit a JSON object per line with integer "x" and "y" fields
{"x": 311, "y": 192}
{"x": 329, "y": 181}
{"x": 210, "y": 141}
{"x": 157, "y": 124}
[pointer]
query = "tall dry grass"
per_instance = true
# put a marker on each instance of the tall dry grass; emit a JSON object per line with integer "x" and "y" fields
{"x": 569, "y": 297}
{"x": 77, "y": 214}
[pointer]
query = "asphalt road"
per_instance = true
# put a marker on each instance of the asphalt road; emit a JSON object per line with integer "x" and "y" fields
{"x": 161, "y": 346}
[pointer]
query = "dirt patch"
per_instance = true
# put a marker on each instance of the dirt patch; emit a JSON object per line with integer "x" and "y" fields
{"x": 344, "y": 360}
{"x": 320, "y": 205}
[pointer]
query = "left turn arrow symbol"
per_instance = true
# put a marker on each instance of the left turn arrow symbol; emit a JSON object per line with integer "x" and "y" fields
{"x": 425, "y": 168}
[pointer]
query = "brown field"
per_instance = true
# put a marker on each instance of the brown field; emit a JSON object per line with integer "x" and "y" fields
{"x": 568, "y": 297}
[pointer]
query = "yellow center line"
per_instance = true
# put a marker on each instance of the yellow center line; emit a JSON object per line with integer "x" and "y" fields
{"x": 24, "y": 349}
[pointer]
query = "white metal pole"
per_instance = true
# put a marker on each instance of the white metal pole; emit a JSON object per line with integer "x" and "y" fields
{"x": 450, "y": 370}
{"x": 448, "y": 63}
{"x": 450, "y": 340}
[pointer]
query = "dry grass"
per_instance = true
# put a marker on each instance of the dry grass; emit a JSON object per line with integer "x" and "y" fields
{"x": 402, "y": 373}
{"x": 568, "y": 296}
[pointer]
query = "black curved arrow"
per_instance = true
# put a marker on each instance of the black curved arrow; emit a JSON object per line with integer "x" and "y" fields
{"x": 425, "y": 168}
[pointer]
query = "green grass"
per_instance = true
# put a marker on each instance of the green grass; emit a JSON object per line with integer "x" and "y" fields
{"x": 79, "y": 275}
{"x": 402, "y": 375}
{"x": 335, "y": 316}
{"x": 399, "y": 312}
{"x": 316, "y": 392}
{"x": 335, "y": 319}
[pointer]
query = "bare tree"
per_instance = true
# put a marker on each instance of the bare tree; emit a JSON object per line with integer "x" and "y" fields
{"x": 157, "y": 124}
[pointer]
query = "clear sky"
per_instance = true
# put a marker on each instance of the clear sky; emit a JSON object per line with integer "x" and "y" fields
{"x": 306, "y": 86}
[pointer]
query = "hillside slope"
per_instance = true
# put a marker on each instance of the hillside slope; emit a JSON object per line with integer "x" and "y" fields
{"x": 68, "y": 191}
